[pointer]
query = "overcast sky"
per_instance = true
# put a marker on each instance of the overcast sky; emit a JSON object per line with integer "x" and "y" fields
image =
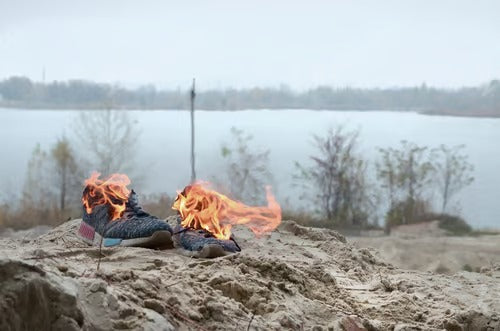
{"x": 248, "y": 43}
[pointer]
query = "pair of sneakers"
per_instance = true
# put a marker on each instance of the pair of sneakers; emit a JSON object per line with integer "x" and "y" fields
{"x": 137, "y": 228}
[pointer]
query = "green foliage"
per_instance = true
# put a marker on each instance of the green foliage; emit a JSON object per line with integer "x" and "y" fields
{"x": 467, "y": 267}
{"x": 225, "y": 151}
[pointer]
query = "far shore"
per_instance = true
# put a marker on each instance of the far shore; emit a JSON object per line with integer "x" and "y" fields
{"x": 451, "y": 113}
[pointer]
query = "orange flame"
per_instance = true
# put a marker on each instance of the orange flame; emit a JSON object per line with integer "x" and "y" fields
{"x": 202, "y": 208}
{"x": 112, "y": 191}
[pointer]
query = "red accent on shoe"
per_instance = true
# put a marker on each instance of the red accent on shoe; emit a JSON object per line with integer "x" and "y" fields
{"x": 86, "y": 231}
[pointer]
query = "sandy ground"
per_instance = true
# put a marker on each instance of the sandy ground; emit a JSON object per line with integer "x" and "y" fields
{"x": 442, "y": 254}
{"x": 295, "y": 278}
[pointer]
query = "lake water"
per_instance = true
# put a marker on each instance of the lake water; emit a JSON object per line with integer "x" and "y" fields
{"x": 164, "y": 155}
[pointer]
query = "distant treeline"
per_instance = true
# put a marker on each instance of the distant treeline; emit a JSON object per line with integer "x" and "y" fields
{"x": 21, "y": 92}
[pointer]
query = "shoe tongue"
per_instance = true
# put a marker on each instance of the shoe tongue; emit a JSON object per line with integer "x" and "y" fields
{"x": 133, "y": 205}
{"x": 133, "y": 199}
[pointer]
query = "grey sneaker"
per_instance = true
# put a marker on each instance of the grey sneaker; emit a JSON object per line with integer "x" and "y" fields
{"x": 135, "y": 227}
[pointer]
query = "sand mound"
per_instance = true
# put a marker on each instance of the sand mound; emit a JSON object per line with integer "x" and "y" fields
{"x": 32, "y": 299}
{"x": 296, "y": 278}
{"x": 444, "y": 254}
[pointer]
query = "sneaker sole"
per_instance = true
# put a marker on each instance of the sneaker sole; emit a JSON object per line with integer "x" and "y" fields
{"x": 208, "y": 251}
{"x": 159, "y": 239}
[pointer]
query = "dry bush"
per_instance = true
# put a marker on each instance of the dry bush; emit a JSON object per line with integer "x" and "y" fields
{"x": 407, "y": 212}
{"x": 51, "y": 191}
{"x": 247, "y": 169}
{"x": 3, "y": 215}
{"x": 304, "y": 218}
{"x": 335, "y": 180}
{"x": 28, "y": 216}
{"x": 455, "y": 225}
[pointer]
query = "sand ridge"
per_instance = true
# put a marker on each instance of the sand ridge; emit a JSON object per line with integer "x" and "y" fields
{"x": 294, "y": 278}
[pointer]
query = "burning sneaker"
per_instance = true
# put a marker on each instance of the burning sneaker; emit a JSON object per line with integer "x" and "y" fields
{"x": 201, "y": 243}
{"x": 112, "y": 216}
{"x": 206, "y": 218}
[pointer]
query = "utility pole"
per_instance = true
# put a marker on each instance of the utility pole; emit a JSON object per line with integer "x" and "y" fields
{"x": 193, "y": 96}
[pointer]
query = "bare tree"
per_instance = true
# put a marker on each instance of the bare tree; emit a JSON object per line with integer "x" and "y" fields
{"x": 38, "y": 201}
{"x": 386, "y": 169}
{"x": 406, "y": 173}
{"x": 337, "y": 179}
{"x": 247, "y": 170}
{"x": 453, "y": 172}
{"x": 36, "y": 190}
{"x": 52, "y": 188}
{"x": 66, "y": 172}
{"x": 108, "y": 140}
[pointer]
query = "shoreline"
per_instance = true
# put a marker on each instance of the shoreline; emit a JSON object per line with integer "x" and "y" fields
{"x": 483, "y": 115}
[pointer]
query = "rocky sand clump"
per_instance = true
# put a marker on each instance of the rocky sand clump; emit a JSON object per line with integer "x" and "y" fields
{"x": 295, "y": 278}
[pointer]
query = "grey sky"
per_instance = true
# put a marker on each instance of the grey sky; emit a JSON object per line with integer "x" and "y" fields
{"x": 248, "y": 43}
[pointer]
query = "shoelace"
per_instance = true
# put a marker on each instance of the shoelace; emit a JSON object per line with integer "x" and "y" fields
{"x": 134, "y": 209}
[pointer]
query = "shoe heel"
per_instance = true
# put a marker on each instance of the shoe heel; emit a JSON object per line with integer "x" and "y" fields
{"x": 86, "y": 233}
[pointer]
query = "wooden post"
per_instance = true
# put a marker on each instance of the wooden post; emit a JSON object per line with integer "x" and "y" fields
{"x": 193, "y": 96}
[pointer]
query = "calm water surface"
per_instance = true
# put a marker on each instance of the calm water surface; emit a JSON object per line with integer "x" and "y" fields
{"x": 164, "y": 145}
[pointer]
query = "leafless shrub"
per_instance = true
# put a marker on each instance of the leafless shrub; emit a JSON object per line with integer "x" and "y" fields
{"x": 453, "y": 172}
{"x": 51, "y": 191}
{"x": 247, "y": 170}
{"x": 335, "y": 183}
{"x": 410, "y": 174}
{"x": 108, "y": 141}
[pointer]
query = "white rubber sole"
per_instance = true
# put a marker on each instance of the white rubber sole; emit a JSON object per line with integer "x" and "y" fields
{"x": 159, "y": 239}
